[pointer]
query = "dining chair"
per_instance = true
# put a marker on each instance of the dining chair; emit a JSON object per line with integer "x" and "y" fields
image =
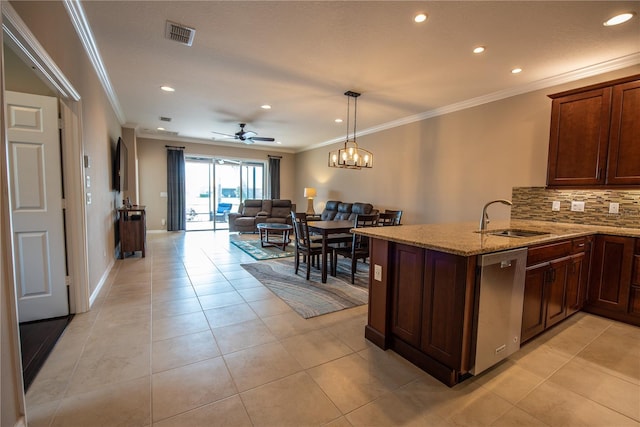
{"x": 305, "y": 246}
{"x": 397, "y": 213}
{"x": 386, "y": 219}
{"x": 359, "y": 248}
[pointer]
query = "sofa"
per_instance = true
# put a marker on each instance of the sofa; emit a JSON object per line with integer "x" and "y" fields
{"x": 335, "y": 210}
{"x": 255, "y": 211}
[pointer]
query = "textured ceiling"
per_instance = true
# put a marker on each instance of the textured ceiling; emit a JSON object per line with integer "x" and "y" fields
{"x": 301, "y": 56}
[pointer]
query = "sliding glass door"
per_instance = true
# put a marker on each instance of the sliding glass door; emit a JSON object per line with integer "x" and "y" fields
{"x": 215, "y": 187}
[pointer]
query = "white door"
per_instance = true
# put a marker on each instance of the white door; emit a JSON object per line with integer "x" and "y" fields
{"x": 35, "y": 185}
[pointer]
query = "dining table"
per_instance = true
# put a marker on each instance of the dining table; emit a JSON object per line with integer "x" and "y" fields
{"x": 326, "y": 229}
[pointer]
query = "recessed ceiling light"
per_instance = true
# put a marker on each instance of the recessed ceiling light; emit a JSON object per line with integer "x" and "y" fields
{"x": 167, "y": 88}
{"x": 161, "y": 129}
{"x": 516, "y": 71}
{"x": 618, "y": 19}
{"x": 420, "y": 17}
{"x": 338, "y": 120}
{"x": 479, "y": 49}
{"x": 279, "y": 142}
{"x": 266, "y": 107}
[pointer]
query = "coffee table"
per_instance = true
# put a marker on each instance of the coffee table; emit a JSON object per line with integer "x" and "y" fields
{"x": 274, "y": 234}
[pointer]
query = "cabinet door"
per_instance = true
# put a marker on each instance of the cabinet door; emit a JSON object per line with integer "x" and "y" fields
{"x": 611, "y": 272}
{"x": 579, "y": 138}
{"x": 534, "y": 307}
{"x": 443, "y": 308}
{"x": 577, "y": 281}
{"x": 624, "y": 139}
{"x": 556, "y": 292}
{"x": 407, "y": 293}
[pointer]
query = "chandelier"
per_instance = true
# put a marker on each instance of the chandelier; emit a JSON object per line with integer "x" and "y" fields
{"x": 351, "y": 156}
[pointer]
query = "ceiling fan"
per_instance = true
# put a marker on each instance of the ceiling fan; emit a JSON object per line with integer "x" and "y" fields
{"x": 248, "y": 137}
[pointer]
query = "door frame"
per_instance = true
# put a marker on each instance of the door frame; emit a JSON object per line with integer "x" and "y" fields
{"x": 72, "y": 157}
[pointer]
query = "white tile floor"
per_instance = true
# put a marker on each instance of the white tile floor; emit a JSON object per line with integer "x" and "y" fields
{"x": 185, "y": 337}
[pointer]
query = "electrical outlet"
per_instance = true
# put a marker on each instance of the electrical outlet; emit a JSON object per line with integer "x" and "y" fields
{"x": 163, "y": 221}
{"x": 555, "y": 206}
{"x": 377, "y": 273}
{"x": 88, "y": 198}
{"x": 614, "y": 208}
{"x": 577, "y": 206}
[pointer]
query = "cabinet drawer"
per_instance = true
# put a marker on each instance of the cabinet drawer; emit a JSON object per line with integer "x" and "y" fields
{"x": 539, "y": 254}
{"x": 580, "y": 244}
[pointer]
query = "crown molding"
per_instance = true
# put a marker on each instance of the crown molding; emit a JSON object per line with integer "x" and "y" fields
{"x": 29, "y": 47}
{"x": 83, "y": 29}
{"x": 589, "y": 71}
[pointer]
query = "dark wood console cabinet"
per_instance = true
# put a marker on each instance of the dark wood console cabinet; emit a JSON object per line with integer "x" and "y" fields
{"x": 133, "y": 230}
{"x": 595, "y": 135}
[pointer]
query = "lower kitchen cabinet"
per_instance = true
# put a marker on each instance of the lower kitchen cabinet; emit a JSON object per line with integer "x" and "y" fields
{"x": 614, "y": 285}
{"x": 430, "y": 303}
{"x": 555, "y": 284}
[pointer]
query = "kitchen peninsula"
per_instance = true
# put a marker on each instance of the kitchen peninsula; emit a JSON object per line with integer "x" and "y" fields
{"x": 424, "y": 284}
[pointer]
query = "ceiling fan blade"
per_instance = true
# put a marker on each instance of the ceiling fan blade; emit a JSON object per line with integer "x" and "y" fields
{"x": 249, "y": 134}
{"x": 261, "y": 138}
{"x": 225, "y": 134}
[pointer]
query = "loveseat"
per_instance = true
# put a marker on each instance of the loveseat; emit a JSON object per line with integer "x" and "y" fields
{"x": 335, "y": 210}
{"x": 255, "y": 211}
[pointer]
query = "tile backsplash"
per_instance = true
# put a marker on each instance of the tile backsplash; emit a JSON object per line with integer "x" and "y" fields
{"x": 534, "y": 203}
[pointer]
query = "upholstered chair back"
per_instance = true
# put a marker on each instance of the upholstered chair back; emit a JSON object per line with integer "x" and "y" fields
{"x": 252, "y": 207}
{"x": 330, "y": 210}
{"x": 344, "y": 211}
{"x": 360, "y": 208}
{"x": 281, "y": 208}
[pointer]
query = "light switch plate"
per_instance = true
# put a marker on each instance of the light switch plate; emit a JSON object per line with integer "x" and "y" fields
{"x": 614, "y": 208}
{"x": 577, "y": 206}
{"x": 377, "y": 273}
{"x": 555, "y": 206}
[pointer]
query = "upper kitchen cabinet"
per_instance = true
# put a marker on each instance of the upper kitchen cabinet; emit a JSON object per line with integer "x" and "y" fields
{"x": 595, "y": 135}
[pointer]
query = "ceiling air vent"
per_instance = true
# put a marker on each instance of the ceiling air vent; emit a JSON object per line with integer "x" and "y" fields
{"x": 179, "y": 33}
{"x": 165, "y": 119}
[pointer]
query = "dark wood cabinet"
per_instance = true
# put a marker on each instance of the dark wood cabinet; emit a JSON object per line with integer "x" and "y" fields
{"x": 611, "y": 273}
{"x": 445, "y": 285}
{"x": 534, "y": 306}
{"x": 555, "y": 284}
{"x": 624, "y": 138}
{"x": 408, "y": 287}
{"x": 595, "y": 135}
{"x": 132, "y": 229}
{"x": 427, "y": 298}
{"x": 577, "y": 282}
{"x": 614, "y": 285}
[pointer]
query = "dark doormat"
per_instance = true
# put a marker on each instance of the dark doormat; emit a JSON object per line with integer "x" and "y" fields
{"x": 37, "y": 339}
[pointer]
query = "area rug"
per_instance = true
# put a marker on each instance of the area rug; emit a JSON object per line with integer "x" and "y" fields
{"x": 250, "y": 244}
{"x": 311, "y": 298}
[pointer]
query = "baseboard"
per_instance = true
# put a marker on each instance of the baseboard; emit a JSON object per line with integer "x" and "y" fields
{"x": 101, "y": 283}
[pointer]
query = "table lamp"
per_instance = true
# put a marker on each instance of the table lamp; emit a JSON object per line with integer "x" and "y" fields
{"x": 310, "y": 193}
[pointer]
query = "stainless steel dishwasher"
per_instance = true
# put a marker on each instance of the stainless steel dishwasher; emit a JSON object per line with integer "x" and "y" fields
{"x": 501, "y": 292}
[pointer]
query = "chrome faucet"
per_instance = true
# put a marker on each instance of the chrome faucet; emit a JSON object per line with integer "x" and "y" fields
{"x": 484, "y": 220}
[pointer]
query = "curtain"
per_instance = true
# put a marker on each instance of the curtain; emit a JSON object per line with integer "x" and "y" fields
{"x": 274, "y": 177}
{"x": 176, "y": 190}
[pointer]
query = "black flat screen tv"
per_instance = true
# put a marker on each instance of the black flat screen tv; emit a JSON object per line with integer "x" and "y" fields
{"x": 120, "y": 167}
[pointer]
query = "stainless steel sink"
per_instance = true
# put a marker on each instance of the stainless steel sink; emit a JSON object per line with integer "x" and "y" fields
{"x": 517, "y": 233}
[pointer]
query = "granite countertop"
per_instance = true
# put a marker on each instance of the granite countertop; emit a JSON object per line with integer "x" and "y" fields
{"x": 463, "y": 238}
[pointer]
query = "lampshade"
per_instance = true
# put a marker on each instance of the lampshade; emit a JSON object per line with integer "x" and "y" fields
{"x": 309, "y": 192}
